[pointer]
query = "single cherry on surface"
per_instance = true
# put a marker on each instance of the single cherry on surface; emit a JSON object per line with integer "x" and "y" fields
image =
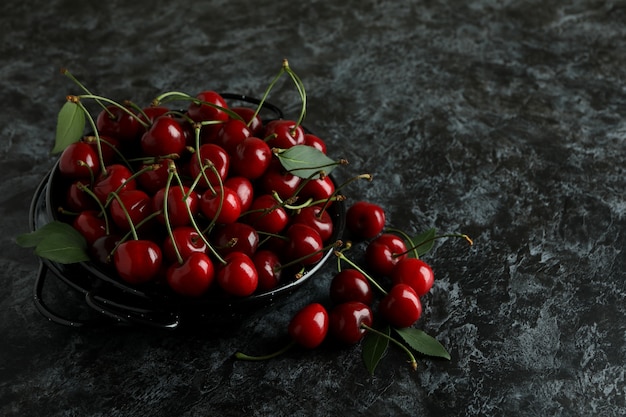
{"x": 401, "y": 306}
{"x": 309, "y": 326}
{"x": 365, "y": 220}
{"x": 350, "y": 285}
{"x": 415, "y": 273}
{"x": 384, "y": 252}
{"x": 347, "y": 320}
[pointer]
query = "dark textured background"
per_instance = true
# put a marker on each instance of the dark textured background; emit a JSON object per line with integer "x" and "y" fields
{"x": 504, "y": 120}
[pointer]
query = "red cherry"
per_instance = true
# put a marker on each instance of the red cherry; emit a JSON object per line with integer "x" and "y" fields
{"x": 255, "y": 125}
{"x": 79, "y": 161}
{"x": 309, "y": 326}
{"x": 150, "y": 114}
{"x": 268, "y": 265}
{"x": 231, "y": 134}
{"x": 283, "y": 134}
{"x": 350, "y": 285}
{"x": 316, "y": 218}
{"x": 267, "y": 215}
{"x": 223, "y": 205}
{"x": 194, "y": 277}
{"x": 244, "y": 189}
{"x": 134, "y": 202}
{"x": 304, "y": 244}
{"x": 347, "y": 320}
{"x": 276, "y": 179}
{"x": 108, "y": 145}
{"x": 187, "y": 241}
{"x": 91, "y": 225}
{"x": 315, "y": 142}
{"x": 384, "y": 252}
{"x": 180, "y": 202}
{"x": 77, "y": 199}
{"x": 320, "y": 189}
{"x": 153, "y": 180}
{"x": 238, "y": 276}
{"x": 365, "y": 220}
{"x": 236, "y": 237}
{"x": 165, "y": 137}
{"x": 415, "y": 273}
{"x": 401, "y": 307}
{"x": 251, "y": 158}
{"x": 210, "y": 110}
{"x": 216, "y": 155}
{"x": 101, "y": 249}
{"x": 137, "y": 261}
{"x": 117, "y": 178}
{"x": 117, "y": 123}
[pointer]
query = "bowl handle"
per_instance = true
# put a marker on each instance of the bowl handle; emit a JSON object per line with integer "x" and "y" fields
{"x": 45, "y": 310}
{"x": 131, "y": 314}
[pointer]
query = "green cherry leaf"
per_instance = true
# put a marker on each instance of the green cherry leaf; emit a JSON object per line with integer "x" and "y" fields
{"x": 70, "y": 126}
{"x": 423, "y": 242}
{"x": 374, "y": 348}
{"x": 423, "y": 343}
{"x": 56, "y": 241}
{"x": 305, "y": 161}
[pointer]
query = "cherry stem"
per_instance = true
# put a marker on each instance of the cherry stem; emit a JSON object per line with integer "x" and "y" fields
{"x": 300, "y": 86}
{"x": 343, "y": 257}
{"x": 132, "y": 177}
{"x": 92, "y": 123}
{"x": 170, "y": 174}
{"x": 414, "y": 248}
{"x": 118, "y": 105}
{"x": 138, "y": 225}
{"x": 130, "y": 221}
{"x": 408, "y": 239}
{"x": 82, "y": 187}
{"x": 341, "y": 186}
{"x": 266, "y": 94}
{"x": 412, "y": 360}
{"x": 336, "y": 244}
{"x": 68, "y": 74}
{"x": 246, "y": 357}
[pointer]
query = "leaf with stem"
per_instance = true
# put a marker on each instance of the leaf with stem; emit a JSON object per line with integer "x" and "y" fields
{"x": 374, "y": 348}
{"x": 70, "y": 125}
{"x": 423, "y": 343}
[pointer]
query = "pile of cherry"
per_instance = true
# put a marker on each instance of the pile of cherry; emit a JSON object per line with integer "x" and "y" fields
{"x": 207, "y": 198}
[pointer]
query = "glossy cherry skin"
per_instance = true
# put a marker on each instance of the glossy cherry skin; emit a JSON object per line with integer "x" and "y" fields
{"x": 222, "y": 205}
{"x": 236, "y": 237}
{"x": 350, "y": 285}
{"x": 154, "y": 179}
{"x": 117, "y": 178}
{"x": 220, "y": 160}
{"x": 401, "y": 307}
{"x": 244, "y": 189}
{"x": 109, "y": 146}
{"x": 79, "y": 161}
{"x": 309, "y": 326}
{"x": 365, "y": 220}
{"x": 254, "y": 123}
{"x": 117, "y": 123}
{"x": 415, "y": 273}
{"x": 384, "y": 252}
{"x": 238, "y": 276}
{"x": 346, "y": 321}
{"x": 178, "y": 206}
{"x": 251, "y": 158}
{"x": 267, "y": 215}
{"x": 187, "y": 241}
{"x": 231, "y": 134}
{"x": 315, "y": 142}
{"x": 134, "y": 202}
{"x": 283, "y": 134}
{"x": 268, "y": 267}
{"x": 101, "y": 249}
{"x": 304, "y": 244}
{"x": 77, "y": 199}
{"x": 165, "y": 137}
{"x": 209, "y": 112}
{"x": 137, "y": 261}
{"x": 194, "y": 277}
{"x": 319, "y": 190}
{"x": 316, "y": 218}
{"x": 90, "y": 225}
{"x": 150, "y": 114}
{"x": 276, "y": 179}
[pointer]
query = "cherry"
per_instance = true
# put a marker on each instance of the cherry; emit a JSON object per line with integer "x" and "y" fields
{"x": 415, "y": 273}
{"x": 318, "y": 189}
{"x": 255, "y": 124}
{"x": 165, "y": 137}
{"x": 236, "y": 237}
{"x": 315, "y": 141}
{"x": 309, "y": 326}
{"x": 316, "y": 218}
{"x": 152, "y": 180}
{"x": 194, "y": 277}
{"x": 268, "y": 267}
{"x": 231, "y": 134}
{"x": 77, "y": 199}
{"x": 180, "y": 202}
{"x": 244, "y": 189}
{"x": 108, "y": 145}
{"x": 134, "y": 202}
{"x": 211, "y": 110}
{"x": 350, "y": 285}
{"x": 91, "y": 225}
{"x": 266, "y": 215}
{"x": 117, "y": 123}
{"x": 222, "y": 205}
{"x": 365, "y": 220}
{"x": 283, "y": 134}
{"x": 150, "y": 114}
{"x": 101, "y": 249}
{"x": 117, "y": 178}
{"x": 218, "y": 157}
{"x": 137, "y": 261}
{"x": 305, "y": 244}
{"x": 187, "y": 241}
{"x": 251, "y": 158}
{"x": 401, "y": 307}
{"x": 346, "y": 321}
{"x": 384, "y": 252}
{"x": 79, "y": 161}
{"x": 238, "y": 276}
{"x": 277, "y": 179}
